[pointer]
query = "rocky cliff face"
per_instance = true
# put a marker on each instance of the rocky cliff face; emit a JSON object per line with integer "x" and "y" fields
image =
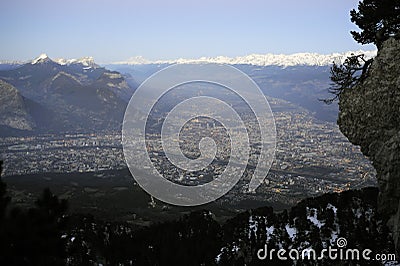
{"x": 14, "y": 111}
{"x": 370, "y": 117}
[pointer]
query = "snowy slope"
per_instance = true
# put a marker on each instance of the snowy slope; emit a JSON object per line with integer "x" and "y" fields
{"x": 87, "y": 61}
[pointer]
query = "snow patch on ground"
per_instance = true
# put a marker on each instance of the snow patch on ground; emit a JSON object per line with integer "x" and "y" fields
{"x": 292, "y": 231}
{"x": 333, "y": 208}
{"x": 270, "y": 231}
{"x": 253, "y": 225}
{"x": 313, "y": 217}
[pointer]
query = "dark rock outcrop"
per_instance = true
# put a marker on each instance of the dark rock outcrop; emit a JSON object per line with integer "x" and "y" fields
{"x": 370, "y": 117}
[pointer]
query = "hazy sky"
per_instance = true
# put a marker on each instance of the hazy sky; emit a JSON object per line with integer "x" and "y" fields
{"x": 117, "y": 30}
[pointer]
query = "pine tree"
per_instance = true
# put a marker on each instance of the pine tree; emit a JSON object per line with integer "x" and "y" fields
{"x": 347, "y": 75}
{"x": 377, "y": 19}
{"x": 4, "y": 199}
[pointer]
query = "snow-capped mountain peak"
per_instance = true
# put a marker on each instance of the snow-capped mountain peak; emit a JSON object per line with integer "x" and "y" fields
{"x": 87, "y": 62}
{"x": 43, "y": 58}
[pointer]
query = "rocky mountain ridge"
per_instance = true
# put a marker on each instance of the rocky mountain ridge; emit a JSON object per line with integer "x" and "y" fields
{"x": 14, "y": 110}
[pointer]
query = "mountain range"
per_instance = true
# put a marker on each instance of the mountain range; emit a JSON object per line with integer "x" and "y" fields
{"x": 302, "y": 85}
{"x": 284, "y": 60}
{"x": 64, "y": 95}
{"x": 301, "y": 78}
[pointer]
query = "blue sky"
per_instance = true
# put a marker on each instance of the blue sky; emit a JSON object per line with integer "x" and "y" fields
{"x": 117, "y": 30}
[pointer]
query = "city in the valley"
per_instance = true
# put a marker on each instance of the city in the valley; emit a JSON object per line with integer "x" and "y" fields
{"x": 312, "y": 157}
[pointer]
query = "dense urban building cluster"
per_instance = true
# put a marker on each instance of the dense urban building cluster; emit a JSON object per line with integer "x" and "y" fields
{"x": 312, "y": 157}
